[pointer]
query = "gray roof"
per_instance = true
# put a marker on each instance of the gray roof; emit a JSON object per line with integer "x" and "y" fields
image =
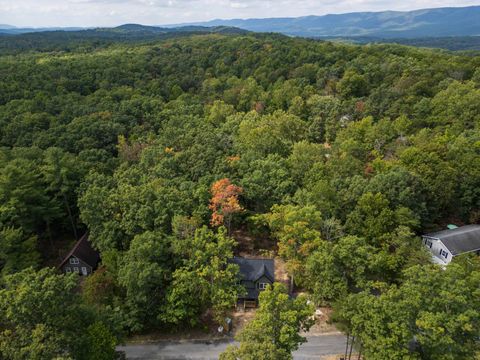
{"x": 460, "y": 240}
{"x": 254, "y": 269}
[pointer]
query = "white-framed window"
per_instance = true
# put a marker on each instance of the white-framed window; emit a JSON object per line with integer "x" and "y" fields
{"x": 84, "y": 271}
{"x": 262, "y": 286}
{"x": 75, "y": 269}
{"x": 74, "y": 261}
{"x": 68, "y": 269}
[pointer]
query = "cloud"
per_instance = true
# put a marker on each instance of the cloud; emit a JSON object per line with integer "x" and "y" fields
{"x": 154, "y": 12}
{"x": 238, "y": 5}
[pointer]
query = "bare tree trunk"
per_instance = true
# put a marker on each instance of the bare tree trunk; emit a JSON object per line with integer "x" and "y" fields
{"x": 351, "y": 348}
{"x": 346, "y": 347}
{"x": 72, "y": 221}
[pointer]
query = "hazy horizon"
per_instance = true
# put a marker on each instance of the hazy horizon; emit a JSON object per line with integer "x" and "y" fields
{"x": 98, "y": 13}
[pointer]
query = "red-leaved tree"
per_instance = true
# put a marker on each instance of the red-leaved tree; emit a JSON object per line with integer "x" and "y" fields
{"x": 224, "y": 202}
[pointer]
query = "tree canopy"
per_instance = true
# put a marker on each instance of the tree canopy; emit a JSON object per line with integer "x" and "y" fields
{"x": 336, "y": 156}
{"x": 274, "y": 332}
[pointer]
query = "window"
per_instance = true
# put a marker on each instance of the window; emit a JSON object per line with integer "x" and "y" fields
{"x": 444, "y": 254}
{"x": 428, "y": 243}
{"x": 75, "y": 269}
{"x": 262, "y": 286}
{"x": 68, "y": 269}
{"x": 74, "y": 261}
{"x": 84, "y": 271}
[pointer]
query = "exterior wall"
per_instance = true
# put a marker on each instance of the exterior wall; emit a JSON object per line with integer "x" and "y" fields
{"x": 252, "y": 288}
{"x": 83, "y": 268}
{"x": 435, "y": 250}
{"x": 263, "y": 279}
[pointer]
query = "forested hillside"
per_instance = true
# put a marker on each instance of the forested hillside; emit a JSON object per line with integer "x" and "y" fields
{"x": 340, "y": 155}
{"x": 67, "y": 40}
{"x": 446, "y": 21}
{"x": 452, "y": 43}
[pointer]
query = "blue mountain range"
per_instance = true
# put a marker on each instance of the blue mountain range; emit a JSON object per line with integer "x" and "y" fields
{"x": 439, "y": 22}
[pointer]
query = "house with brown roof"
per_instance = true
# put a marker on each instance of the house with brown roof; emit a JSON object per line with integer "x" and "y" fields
{"x": 83, "y": 259}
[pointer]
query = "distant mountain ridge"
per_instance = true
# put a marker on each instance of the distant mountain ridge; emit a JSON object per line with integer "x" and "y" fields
{"x": 145, "y": 29}
{"x": 13, "y": 30}
{"x": 130, "y": 30}
{"x": 70, "y": 40}
{"x": 452, "y": 28}
{"x": 438, "y": 22}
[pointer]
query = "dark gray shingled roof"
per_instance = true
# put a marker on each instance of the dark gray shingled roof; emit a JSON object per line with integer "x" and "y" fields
{"x": 84, "y": 251}
{"x": 254, "y": 269}
{"x": 460, "y": 240}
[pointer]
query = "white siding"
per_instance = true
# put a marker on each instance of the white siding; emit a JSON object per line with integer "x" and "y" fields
{"x": 436, "y": 249}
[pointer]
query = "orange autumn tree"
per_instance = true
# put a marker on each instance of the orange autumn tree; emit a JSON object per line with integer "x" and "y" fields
{"x": 224, "y": 202}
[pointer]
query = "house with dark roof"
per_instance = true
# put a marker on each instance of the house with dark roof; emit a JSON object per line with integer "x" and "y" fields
{"x": 83, "y": 259}
{"x": 255, "y": 275}
{"x": 446, "y": 244}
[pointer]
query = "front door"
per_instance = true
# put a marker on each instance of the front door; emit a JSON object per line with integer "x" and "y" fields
{"x": 84, "y": 271}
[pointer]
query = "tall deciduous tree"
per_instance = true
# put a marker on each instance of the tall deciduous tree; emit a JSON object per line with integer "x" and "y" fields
{"x": 42, "y": 319}
{"x": 274, "y": 332}
{"x": 434, "y": 314}
{"x": 297, "y": 230}
{"x": 62, "y": 173}
{"x": 266, "y": 182}
{"x": 224, "y": 202}
{"x": 143, "y": 273}
{"x": 374, "y": 219}
{"x": 204, "y": 280}
{"x": 336, "y": 268}
{"x": 17, "y": 250}
{"x": 23, "y": 197}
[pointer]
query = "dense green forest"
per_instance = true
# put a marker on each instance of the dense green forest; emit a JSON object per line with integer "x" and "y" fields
{"x": 464, "y": 44}
{"x": 94, "y": 39}
{"x": 454, "y": 43}
{"x": 340, "y": 155}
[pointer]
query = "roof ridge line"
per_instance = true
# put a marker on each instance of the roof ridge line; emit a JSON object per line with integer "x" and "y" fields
{"x": 70, "y": 253}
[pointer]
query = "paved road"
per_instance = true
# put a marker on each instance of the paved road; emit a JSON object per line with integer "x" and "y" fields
{"x": 200, "y": 350}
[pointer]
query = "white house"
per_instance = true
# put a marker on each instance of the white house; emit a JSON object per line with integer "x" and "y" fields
{"x": 446, "y": 244}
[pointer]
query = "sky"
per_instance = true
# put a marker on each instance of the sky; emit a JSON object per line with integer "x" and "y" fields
{"x": 91, "y": 13}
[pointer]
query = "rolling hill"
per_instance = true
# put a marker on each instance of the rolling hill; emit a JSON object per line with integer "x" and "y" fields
{"x": 452, "y": 28}
{"x": 439, "y": 22}
{"x": 62, "y": 40}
